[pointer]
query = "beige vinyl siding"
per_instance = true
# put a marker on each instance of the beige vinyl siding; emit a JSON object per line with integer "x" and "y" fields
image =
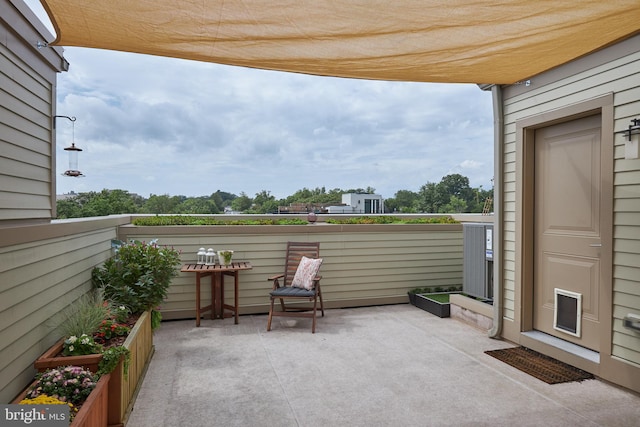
{"x": 38, "y": 279}
{"x": 620, "y": 76}
{"x": 362, "y": 265}
{"x": 27, "y": 104}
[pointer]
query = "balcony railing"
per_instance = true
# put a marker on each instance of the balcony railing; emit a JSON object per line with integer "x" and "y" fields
{"x": 45, "y": 267}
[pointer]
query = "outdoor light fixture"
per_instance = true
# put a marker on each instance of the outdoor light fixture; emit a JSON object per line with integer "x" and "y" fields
{"x": 210, "y": 257}
{"x": 202, "y": 256}
{"x": 72, "y": 150}
{"x": 631, "y": 150}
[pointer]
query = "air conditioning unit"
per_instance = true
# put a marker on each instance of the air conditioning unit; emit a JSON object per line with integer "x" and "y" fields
{"x": 478, "y": 260}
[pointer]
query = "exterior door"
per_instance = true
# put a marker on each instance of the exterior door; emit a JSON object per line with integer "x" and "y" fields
{"x": 568, "y": 222}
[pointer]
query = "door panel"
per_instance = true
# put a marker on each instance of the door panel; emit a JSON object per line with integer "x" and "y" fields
{"x": 567, "y": 224}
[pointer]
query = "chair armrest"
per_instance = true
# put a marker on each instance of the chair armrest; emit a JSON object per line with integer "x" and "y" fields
{"x": 276, "y": 280}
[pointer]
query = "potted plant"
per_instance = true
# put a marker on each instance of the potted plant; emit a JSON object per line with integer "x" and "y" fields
{"x": 225, "y": 256}
{"x": 85, "y": 392}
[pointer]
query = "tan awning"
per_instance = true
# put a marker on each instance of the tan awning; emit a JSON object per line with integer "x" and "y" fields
{"x": 465, "y": 41}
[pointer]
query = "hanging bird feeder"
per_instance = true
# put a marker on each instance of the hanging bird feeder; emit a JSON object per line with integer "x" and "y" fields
{"x": 73, "y": 152}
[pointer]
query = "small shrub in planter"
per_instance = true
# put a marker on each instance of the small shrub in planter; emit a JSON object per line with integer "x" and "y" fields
{"x": 138, "y": 276}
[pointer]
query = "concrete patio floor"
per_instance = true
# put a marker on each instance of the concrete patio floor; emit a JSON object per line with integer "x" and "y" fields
{"x": 374, "y": 366}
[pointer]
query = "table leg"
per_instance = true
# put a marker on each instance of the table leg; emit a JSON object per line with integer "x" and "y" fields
{"x": 221, "y": 302}
{"x": 213, "y": 295}
{"x": 197, "y": 299}
{"x": 235, "y": 295}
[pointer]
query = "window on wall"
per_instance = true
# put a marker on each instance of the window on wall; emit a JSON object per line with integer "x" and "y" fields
{"x": 371, "y": 206}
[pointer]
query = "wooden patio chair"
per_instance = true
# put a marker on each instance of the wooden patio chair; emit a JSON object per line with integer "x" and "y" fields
{"x": 299, "y": 282}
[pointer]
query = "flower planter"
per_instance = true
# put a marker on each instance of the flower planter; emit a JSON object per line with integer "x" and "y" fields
{"x": 438, "y": 308}
{"x": 94, "y": 410}
{"x": 122, "y": 388}
{"x": 50, "y": 359}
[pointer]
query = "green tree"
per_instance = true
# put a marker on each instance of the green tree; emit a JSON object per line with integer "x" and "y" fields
{"x": 241, "y": 203}
{"x": 264, "y": 202}
{"x": 162, "y": 204}
{"x": 197, "y": 205}
{"x": 456, "y": 185}
{"x": 405, "y": 201}
{"x": 455, "y": 205}
{"x": 316, "y": 196}
{"x": 223, "y": 199}
{"x": 436, "y": 198}
{"x": 428, "y": 198}
{"x": 106, "y": 202}
{"x": 68, "y": 208}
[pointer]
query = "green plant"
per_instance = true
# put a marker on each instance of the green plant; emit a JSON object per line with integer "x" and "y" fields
{"x": 156, "y": 318}
{"x": 109, "y": 329}
{"x": 119, "y": 313}
{"x": 210, "y": 220}
{"x": 226, "y": 255}
{"x": 111, "y": 357}
{"x": 68, "y": 384}
{"x": 391, "y": 220}
{"x": 138, "y": 276}
{"x": 441, "y": 298}
{"x": 79, "y": 346}
{"x": 83, "y": 316}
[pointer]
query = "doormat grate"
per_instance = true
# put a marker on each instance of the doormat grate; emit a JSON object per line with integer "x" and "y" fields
{"x": 543, "y": 367}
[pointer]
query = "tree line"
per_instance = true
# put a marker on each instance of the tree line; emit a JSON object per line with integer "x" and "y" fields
{"x": 451, "y": 195}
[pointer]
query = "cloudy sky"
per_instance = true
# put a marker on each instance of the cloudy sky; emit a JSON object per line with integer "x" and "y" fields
{"x": 153, "y": 125}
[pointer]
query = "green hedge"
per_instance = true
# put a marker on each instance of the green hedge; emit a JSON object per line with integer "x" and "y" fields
{"x": 392, "y": 220}
{"x": 202, "y": 220}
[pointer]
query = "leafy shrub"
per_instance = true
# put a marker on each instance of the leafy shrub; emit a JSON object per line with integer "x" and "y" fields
{"x": 138, "y": 276}
{"x": 209, "y": 220}
{"x": 392, "y": 220}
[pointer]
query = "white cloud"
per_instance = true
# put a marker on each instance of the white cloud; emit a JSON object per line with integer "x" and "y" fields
{"x": 167, "y": 126}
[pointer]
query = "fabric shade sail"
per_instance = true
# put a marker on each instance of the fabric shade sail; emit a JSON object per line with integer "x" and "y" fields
{"x": 463, "y": 41}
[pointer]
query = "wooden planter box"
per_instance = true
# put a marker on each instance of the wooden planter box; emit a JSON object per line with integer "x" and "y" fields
{"x": 94, "y": 411}
{"x": 122, "y": 392}
{"x": 122, "y": 389}
{"x": 432, "y": 306}
{"x": 50, "y": 359}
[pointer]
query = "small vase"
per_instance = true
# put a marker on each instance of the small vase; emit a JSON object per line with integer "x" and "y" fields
{"x": 224, "y": 257}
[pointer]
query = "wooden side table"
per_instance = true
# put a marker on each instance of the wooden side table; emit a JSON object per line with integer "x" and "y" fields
{"x": 217, "y": 273}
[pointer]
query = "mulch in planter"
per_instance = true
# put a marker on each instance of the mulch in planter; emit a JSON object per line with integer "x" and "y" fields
{"x": 119, "y": 340}
{"x": 538, "y": 365}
